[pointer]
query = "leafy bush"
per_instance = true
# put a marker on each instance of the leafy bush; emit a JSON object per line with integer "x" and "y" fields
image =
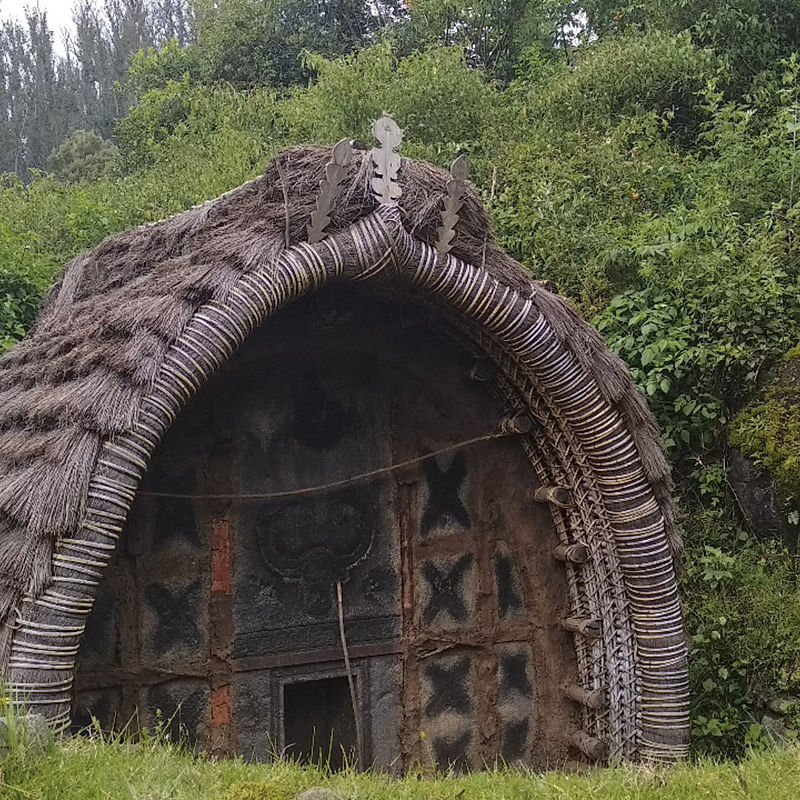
{"x": 662, "y": 71}
{"x": 180, "y": 115}
{"x": 719, "y": 283}
{"x": 215, "y": 139}
{"x": 569, "y": 206}
{"x": 154, "y": 68}
{"x": 749, "y": 35}
{"x": 22, "y": 283}
{"x": 442, "y": 105}
{"x": 83, "y": 156}
{"x": 697, "y": 352}
{"x": 19, "y": 301}
{"x": 249, "y": 43}
{"x": 742, "y": 603}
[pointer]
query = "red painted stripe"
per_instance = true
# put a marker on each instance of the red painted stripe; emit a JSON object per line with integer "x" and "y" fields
{"x": 220, "y": 708}
{"x": 220, "y": 556}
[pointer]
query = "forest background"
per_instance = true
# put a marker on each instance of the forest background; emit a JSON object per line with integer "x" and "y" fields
{"x": 642, "y": 156}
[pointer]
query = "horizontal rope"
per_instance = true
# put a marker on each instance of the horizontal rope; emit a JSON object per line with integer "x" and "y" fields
{"x": 340, "y": 484}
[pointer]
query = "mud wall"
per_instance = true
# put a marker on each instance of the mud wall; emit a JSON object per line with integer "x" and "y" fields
{"x": 220, "y": 609}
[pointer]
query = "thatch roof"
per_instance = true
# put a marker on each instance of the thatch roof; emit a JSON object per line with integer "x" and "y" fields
{"x": 78, "y": 379}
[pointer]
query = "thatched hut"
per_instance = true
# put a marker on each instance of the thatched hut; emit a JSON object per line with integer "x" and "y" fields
{"x": 285, "y": 467}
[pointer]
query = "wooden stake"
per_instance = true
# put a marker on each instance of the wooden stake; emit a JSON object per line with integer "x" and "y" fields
{"x": 350, "y": 681}
{"x": 482, "y": 370}
{"x": 559, "y": 496}
{"x": 518, "y": 423}
{"x": 591, "y": 698}
{"x": 589, "y": 746}
{"x": 576, "y": 553}
{"x": 586, "y": 626}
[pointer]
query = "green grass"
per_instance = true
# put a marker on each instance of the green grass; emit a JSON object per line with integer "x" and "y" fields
{"x": 85, "y": 769}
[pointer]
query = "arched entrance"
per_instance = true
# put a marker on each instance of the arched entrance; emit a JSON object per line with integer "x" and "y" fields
{"x": 223, "y": 603}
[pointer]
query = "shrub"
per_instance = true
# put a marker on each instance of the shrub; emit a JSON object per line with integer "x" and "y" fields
{"x": 662, "y": 71}
{"x": 83, "y": 156}
{"x": 179, "y": 115}
{"x": 442, "y": 104}
{"x": 742, "y": 604}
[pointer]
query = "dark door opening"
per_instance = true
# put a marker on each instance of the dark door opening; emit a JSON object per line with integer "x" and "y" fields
{"x": 318, "y": 722}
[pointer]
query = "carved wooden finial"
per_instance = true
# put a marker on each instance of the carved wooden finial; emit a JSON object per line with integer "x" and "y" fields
{"x": 456, "y": 188}
{"x": 329, "y": 189}
{"x": 385, "y": 160}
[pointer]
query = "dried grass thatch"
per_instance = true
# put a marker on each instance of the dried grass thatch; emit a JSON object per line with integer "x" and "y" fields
{"x": 78, "y": 378}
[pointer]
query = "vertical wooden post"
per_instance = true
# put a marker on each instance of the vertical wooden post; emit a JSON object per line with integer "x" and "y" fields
{"x": 220, "y": 637}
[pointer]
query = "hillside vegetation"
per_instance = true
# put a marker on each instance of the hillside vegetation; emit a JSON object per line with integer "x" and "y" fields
{"x": 642, "y": 155}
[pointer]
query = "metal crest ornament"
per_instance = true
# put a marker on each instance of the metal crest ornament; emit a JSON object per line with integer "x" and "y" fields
{"x": 456, "y": 188}
{"x": 385, "y": 161}
{"x": 330, "y": 188}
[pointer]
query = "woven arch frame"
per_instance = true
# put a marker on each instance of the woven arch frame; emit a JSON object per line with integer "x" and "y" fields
{"x": 629, "y": 582}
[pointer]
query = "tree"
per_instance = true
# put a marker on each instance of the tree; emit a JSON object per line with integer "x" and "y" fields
{"x": 493, "y": 33}
{"x": 257, "y": 42}
{"x": 44, "y": 96}
{"x": 752, "y": 35}
{"x": 30, "y": 87}
{"x": 82, "y": 156}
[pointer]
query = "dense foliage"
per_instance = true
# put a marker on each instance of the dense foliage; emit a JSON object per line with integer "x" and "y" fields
{"x": 643, "y": 156}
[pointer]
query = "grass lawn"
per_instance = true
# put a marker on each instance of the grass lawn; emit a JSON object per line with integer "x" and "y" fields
{"x": 85, "y": 769}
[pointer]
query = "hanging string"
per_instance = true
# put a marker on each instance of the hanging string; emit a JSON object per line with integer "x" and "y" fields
{"x": 340, "y": 484}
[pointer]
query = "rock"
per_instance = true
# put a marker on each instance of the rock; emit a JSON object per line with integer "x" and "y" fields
{"x": 764, "y": 471}
{"x": 30, "y": 731}
{"x": 763, "y": 512}
{"x": 318, "y": 793}
{"x": 775, "y": 728}
{"x": 784, "y": 704}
